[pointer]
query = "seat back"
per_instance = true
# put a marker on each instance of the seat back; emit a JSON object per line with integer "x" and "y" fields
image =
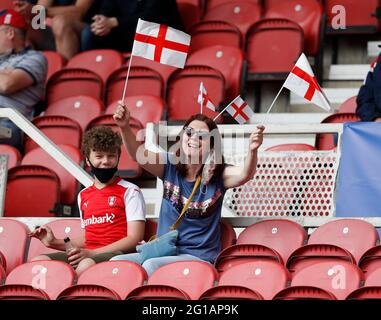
{"x": 183, "y": 88}
{"x": 81, "y": 108}
{"x": 210, "y": 4}
{"x": 356, "y": 236}
{"x": 291, "y": 147}
{"x": 101, "y": 61}
{"x": 373, "y": 279}
{"x": 68, "y": 183}
{"x": 228, "y": 60}
{"x": 349, "y": 105}
{"x": 62, "y": 228}
{"x": 304, "y": 293}
{"x": 13, "y": 242}
{"x": 14, "y": 156}
{"x": 24, "y": 199}
{"x": 55, "y": 62}
{"x": 284, "y": 236}
{"x": 190, "y": 13}
{"x": 192, "y": 277}
{"x": 73, "y": 82}
{"x": 370, "y": 260}
{"x": 50, "y": 276}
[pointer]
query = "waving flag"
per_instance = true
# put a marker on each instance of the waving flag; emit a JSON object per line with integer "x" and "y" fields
{"x": 240, "y": 110}
{"x": 204, "y": 99}
{"x": 302, "y": 81}
{"x": 160, "y": 43}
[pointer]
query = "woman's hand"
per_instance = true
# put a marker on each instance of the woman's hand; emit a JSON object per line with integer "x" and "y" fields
{"x": 44, "y": 234}
{"x": 256, "y": 138}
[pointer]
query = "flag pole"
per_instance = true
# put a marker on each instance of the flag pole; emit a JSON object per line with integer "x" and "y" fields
{"x": 225, "y": 108}
{"x": 272, "y": 104}
{"x": 202, "y": 97}
{"x": 128, "y": 75}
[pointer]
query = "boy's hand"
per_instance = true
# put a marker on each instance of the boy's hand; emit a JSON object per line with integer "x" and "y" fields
{"x": 44, "y": 234}
{"x": 256, "y": 138}
{"x": 75, "y": 255}
{"x": 122, "y": 116}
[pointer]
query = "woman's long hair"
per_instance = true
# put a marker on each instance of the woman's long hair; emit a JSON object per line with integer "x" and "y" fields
{"x": 215, "y": 147}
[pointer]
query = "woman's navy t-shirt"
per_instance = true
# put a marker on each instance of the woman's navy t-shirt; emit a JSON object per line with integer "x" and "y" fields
{"x": 199, "y": 232}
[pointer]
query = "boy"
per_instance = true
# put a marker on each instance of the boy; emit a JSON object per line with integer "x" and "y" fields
{"x": 112, "y": 210}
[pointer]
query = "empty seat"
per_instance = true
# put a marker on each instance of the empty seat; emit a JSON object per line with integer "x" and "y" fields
{"x": 119, "y": 276}
{"x": 326, "y": 141}
{"x": 349, "y": 105}
{"x": 282, "y": 235}
{"x": 22, "y": 292}
{"x": 14, "y": 156}
{"x": 141, "y": 81}
{"x": 51, "y": 277}
{"x": 2, "y": 275}
{"x": 157, "y": 292}
{"x": 304, "y": 293}
{"x": 59, "y": 129}
{"x": 240, "y": 13}
{"x": 128, "y": 168}
{"x": 214, "y": 3}
{"x": 82, "y": 109}
{"x": 144, "y": 108}
{"x": 183, "y": 89}
{"x": 13, "y": 242}
{"x": 210, "y": 33}
{"x": 228, "y": 60}
{"x": 356, "y": 236}
{"x": 101, "y": 61}
{"x": 230, "y": 292}
{"x": 38, "y": 156}
{"x": 190, "y": 13}
{"x": 272, "y": 47}
{"x": 55, "y": 62}
{"x": 263, "y": 277}
{"x": 3, "y": 262}
{"x": 73, "y": 82}
{"x": 32, "y": 191}
{"x": 307, "y": 13}
{"x": 340, "y": 279}
{"x": 62, "y": 228}
{"x": 370, "y": 260}
{"x": 371, "y": 289}
{"x": 291, "y": 147}
{"x": 191, "y": 277}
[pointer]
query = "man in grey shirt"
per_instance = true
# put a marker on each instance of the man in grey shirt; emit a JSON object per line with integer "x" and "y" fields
{"x": 22, "y": 73}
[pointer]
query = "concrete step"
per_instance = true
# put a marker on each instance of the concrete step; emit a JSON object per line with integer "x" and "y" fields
{"x": 334, "y": 95}
{"x": 348, "y": 72}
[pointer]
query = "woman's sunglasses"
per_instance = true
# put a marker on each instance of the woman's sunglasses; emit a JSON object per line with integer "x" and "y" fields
{"x": 200, "y": 134}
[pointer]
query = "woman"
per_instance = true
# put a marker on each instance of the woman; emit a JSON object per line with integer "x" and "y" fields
{"x": 199, "y": 232}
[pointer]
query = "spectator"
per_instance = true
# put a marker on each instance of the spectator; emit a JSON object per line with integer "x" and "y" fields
{"x": 22, "y": 73}
{"x": 69, "y": 17}
{"x": 115, "y": 25}
{"x": 112, "y": 210}
{"x": 369, "y": 96}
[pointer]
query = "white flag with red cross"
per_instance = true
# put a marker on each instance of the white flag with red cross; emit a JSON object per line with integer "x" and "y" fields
{"x": 302, "y": 81}
{"x": 161, "y": 43}
{"x": 240, "y": 110}
{"x": 204, "y": 99}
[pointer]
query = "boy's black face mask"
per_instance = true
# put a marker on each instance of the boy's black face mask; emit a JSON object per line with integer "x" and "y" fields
{"x": 104, "y": 175}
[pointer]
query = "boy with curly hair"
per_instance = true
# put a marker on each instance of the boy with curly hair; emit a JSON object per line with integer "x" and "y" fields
{"x": 112, "y": 210}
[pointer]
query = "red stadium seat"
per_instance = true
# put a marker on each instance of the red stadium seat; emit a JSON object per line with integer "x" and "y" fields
{"x": 210, "y": 33}
{"x": 128, "y": 168}
{"x": 3, "y": 262}
{"x": 120, "y": 277}
{"x": 88, "y": 292}
{"x": 241, "y": 253}
{"x": 360, "y": 17}
{"x": 190, "y": 13}
{"x": 240, "y": 13}
{"x": 13, "y": 242}
{"x": 81, "y": 108}
{"x": 308, "y": 14}
{"x": 365, "y": 293}
{"x": 21, "y": 292}
{"x": 2, "y": 275}
{"x": 291, "y": 147}
{"x": 68, "y": 183}
{"x": 272, "y": 47}
{"x": 373, "y": 279}
{"x": 101, "y": 61}
{"x": 228, "y": 60}
{"x": 14, "y": 156}
{"x": 349, "y": 105}
{"x": 264, "y": 277}
{"x": 191, "y": 277}
{"x": 55, "y": 62}
{"x": 214, "y": 3}
{"x": 157, "y": 292}
{"x": 230, "y": 292}
{"x": 62, "y": 228}
{"x": 228, "y": 235}
{"x": 313, "y": 253}
{"x": 284, "y": 236}
{"x": 144, "y": 108}
{"x": 142, "y": 81}
{"x": 370, "y": 260}
{"x": 356, "y": 236}
{"x": 24, "y": 199}
{"x": 325, "y": 141}
{"x": 340, "y": 279}
{"x": 73, "y": 82}
{"x": 49, "y": 276}
{"x": 304, "y": 293}
{"x": 183, "y": 89}
{"x": 59, "y": 129}
{"x": 6, "y": 4}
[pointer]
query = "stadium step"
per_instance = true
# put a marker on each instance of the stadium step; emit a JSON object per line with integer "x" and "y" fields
{"x": 348, "y": 72}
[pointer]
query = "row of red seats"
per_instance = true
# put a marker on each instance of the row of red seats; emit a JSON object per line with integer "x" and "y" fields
{"x": 326, "y": 271}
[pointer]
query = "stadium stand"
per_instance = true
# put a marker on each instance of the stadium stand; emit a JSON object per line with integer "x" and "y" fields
{"x": 370, "y": 260}
{"x": 190, "y": 12}
{"x": 348, "y": 106}
{"x": 55, "y": 62}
